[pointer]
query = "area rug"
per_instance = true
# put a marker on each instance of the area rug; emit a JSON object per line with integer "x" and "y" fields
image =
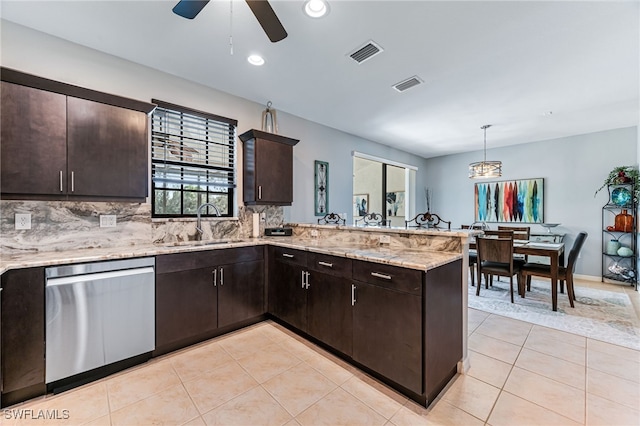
{"x": 598, "y": 314}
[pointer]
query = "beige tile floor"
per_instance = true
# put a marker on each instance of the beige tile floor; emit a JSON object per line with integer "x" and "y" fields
{"x": 521, "y": 374}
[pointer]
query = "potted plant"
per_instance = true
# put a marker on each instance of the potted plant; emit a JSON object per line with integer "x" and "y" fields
{"x": 623, "y": 175}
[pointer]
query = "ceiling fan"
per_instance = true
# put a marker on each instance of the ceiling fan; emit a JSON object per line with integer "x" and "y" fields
{"x": 261, "y": 9}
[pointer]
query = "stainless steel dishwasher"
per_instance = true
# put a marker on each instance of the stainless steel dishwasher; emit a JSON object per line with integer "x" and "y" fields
{"x": 98, "y": 314}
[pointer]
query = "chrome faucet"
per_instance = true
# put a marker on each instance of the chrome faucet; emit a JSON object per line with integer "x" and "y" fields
{"x": 199, "y": 222}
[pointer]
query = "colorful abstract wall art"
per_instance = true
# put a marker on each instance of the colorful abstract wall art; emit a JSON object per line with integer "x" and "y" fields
{"x": 519, "y": 201}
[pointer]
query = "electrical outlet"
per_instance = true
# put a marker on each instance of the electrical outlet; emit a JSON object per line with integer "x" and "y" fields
{"x": 314, "y": 233}
{"x": 23, "y": 220}
{"x": 107, "y": 221}
{"x": 385, "y": 239}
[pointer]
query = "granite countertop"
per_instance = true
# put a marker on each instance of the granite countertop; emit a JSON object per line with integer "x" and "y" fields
{"x": 408, "y": 258}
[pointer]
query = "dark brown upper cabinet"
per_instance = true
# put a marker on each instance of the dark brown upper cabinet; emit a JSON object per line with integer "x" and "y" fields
{"x": 267, "y": 168}
{"x": 34, "y": 141}
{"x": 63, "y": 142}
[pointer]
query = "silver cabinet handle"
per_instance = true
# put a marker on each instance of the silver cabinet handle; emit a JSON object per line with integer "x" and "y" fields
{"x": 215, "y": 277}
{"x": 379, "y": 275}
{"x": 73, "y": 181}
{"x": 61, "y": 189}
{"x": 327, "y": 264}
{"x": 290, "y": 256}
{"x": 221, "y": 276}
{"x": 303, "y": 277}
{"x": 259, "y": 192}
{"x": 353, "y": 295}
{"x": 308, "y": 285}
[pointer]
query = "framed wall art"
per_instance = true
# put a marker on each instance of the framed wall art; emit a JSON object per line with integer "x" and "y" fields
{"x": 520, "y": 201}
{"x": 321, "y": 187}
{"x": 360, "y": 204}
{"x": 395, "y": 203}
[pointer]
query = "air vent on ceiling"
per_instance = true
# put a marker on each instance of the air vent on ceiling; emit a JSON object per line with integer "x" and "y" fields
{"x": 368, "y": 51}
{"x": 408, "y": 83}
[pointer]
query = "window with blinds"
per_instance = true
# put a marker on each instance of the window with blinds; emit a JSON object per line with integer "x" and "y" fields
{"x": 192, "y": 161}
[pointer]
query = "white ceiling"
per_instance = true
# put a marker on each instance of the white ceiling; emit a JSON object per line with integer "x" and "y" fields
{"x": 504, "y": 63}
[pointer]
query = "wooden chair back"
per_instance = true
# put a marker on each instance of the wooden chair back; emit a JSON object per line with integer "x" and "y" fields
{"x": 498, "y": 250}
{"x": 519, "y": 232}
{"x": 499, "y": 233}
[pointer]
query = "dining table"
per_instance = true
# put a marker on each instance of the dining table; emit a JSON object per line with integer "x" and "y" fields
{"x": 555, "y": 253}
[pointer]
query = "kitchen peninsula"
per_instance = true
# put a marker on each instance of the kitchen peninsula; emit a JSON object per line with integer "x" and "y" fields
{"x": 395, "y": 309}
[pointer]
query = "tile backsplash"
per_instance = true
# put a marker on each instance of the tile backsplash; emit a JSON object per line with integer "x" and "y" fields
{"x": 65, "y": 225}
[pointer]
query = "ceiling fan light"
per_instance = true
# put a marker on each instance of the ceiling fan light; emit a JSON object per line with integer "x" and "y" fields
{"x": 316, "y": 8}
{"x": 256, "y": 60}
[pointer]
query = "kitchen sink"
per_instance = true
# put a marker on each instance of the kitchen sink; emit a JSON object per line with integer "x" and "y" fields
{"x": 201, "y": 243}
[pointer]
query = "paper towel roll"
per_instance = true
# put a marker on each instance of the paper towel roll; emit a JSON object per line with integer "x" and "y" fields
{"x": 255, "y": 232}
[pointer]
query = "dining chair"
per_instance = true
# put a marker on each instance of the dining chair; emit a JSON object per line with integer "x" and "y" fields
{"x": 495, "y": 257}
{"x": 564, "y": 273}
{"x": 519, "y": 233}
{"x": 331, "y": 218}
{"x": 372, "y": 219}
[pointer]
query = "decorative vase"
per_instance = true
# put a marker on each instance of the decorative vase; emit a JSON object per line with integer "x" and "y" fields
{"x": 624, "y": 221}
{"x": 269, "y": 121}
{"x": 612, "y": 247}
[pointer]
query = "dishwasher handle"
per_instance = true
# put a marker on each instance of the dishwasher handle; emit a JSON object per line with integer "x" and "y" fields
{"x": 97, "y": 276}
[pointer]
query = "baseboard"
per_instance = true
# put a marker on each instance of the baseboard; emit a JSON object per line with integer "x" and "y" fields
{"x": 587, "y": 277}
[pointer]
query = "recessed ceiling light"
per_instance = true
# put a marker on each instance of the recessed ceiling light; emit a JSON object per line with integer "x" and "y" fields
{"x": 316, "y": 8}
{"x": 547, "y": 113}
{"x": 256, "y": 60}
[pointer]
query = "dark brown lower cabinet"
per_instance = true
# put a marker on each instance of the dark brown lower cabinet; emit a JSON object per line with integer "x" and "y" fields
{"x": 23, "y": 333}
{"x": 287, "y": 293}
{"x": 287, "y": 286}
{"x": 329, "y": 311}
{"x": 199, "y": 293}
{"x": 387, "y": 333}
{"x": 240, "y": 292}
{"x": 186, "y": 305}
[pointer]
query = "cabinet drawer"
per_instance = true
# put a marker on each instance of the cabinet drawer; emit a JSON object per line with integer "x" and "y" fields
{"x": 202, "y": 259}
{"x": 330, "y": 265}
{"x": 291, "y": 256}
{"x": 393, "y": 277}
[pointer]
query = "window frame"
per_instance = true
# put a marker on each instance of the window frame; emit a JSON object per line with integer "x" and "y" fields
{"x": 232, "y": 164}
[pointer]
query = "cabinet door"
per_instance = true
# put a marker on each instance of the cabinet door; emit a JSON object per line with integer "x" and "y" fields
{"x": 287, "y": 295}
{"x": 329, "y": 310}
{"x": 34, "y": 141}
{"x": 23, "y": 332}
{"x": 274, "y": 172}
{"x": 387, "y": 334}
{"x": 107, "y": 150}
{"x": 186, "y": 305}
{"x": 240, "y": 292}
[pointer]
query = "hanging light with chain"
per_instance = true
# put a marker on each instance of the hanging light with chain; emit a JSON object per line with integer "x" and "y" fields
{"x": 485, "y": 169}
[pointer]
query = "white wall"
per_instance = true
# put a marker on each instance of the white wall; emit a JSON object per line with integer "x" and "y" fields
{"x": 573, "y": 168}
{"x": 36, "y": 53}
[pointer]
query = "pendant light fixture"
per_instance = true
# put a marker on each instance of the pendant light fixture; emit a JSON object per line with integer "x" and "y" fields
{"x": 485, "y": 169}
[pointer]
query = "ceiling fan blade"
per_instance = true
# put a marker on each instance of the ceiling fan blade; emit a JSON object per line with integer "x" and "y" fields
{"x": 267, "y": 19}
{"x": 189, "y": 8}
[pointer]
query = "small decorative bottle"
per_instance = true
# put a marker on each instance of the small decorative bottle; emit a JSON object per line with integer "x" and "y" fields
{"x": 624, "y": 222}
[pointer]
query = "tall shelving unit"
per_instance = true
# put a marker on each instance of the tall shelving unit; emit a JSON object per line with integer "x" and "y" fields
{"x": 620, "y": 267}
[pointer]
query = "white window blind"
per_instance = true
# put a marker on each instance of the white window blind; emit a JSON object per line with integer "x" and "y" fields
{"x": 192, "y": 155}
